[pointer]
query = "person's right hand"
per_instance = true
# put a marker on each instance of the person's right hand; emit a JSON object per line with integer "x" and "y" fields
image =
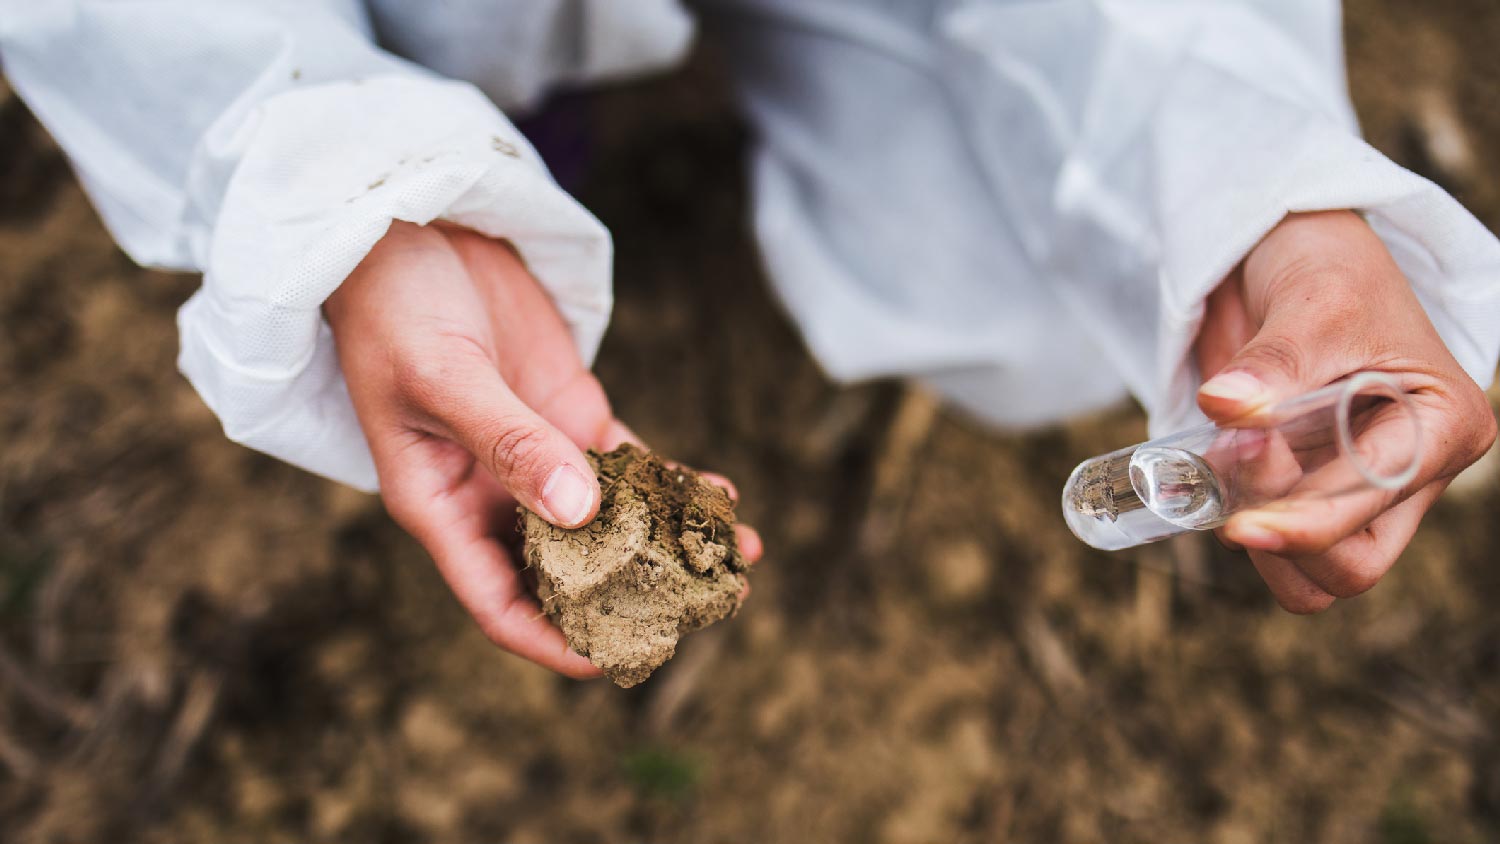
{"x": 1319, "y": 299}
{"x": 472, "y": 397}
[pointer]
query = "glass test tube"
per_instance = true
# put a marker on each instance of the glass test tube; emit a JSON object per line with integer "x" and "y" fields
{"x": 1354, "y": 436}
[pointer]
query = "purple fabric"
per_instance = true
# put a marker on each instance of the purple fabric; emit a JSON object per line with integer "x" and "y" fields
{"x": 560, "y": 131}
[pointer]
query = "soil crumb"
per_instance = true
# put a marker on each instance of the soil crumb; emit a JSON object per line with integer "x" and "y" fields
{"x": 659, "y": 561}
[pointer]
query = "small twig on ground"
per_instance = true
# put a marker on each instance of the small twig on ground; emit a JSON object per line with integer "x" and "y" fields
{"x": 830, "y": 432}
{"x": 682, "y": 677}
{"x": 21, "y": 762}
{"x": 891, "y": 487}
{"x": 1049, "y": 656}
{"x": 1445, "y": 142}
{"x": 67, "y": 574}
{"x": 45, "y": 698}
{"x": 1153, "y": 601}
{"x": 1435, "y": 707}
{"x": 195, "y": 714}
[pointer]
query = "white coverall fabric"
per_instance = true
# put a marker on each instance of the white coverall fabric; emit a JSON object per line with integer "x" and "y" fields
{"x": 1023, "y": 202}
{"x": 270, "y": 143}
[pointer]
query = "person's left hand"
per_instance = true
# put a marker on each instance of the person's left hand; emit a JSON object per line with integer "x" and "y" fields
{"x": 1321, "y": 298}
{"x": 473, "y": 399}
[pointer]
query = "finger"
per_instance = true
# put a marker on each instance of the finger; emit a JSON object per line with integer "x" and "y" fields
{"x": 488, "y": 585}
{"x": 452, "y": 519}
{"x": 723, "y": 483}
{"x": 549, "y": 377}
{"x": 1310, "y": 525}
{"x": 1318, "y": 512}
{"x": 616, "y": 434}
{"x": 1226, "y": 327}
{"x": 748, "y": 540}
{"x": 1307, "y": 523}
{"x": 1311, "y": 327}
{"x": 1270, "y": 368}
{"x": 578, "y": 406}
{"x": 1293, "y": 590}
{"x": 1354, "y": 565}
{"x": 1263, "y": 463}
{"x": 584, "y": 391}
{"x": 540, "y": 465}
{"x": 1224, "y": 540}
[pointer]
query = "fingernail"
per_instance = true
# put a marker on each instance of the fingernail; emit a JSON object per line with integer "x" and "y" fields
{"x": 567, "y": 496}
{"x": 1239, "y": 387}
{"x": 1252, "y": 534}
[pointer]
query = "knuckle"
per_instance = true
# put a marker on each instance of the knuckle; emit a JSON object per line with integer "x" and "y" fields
{"x": 517, "y": 449}
{"x": 420, "y": 379}
{"x": 430, "y": 376}
{"x": 581, "y": 395}
{"x": 1319, "y": 281}
{"x": 1488, "y": 427}
{"x": 1342, "y": 292}
{"x": 1277, "y": 353}
{"x": 1309, "y": 548}
{"x": 1304, "y": 601}
{"x": 1304, "y": 541}
{"x": 585, "y": 672}
{"x": 1347, "y": 582}
{"x": 492, "y": 628}
{"x": 399, "y": 511}
{"x": 1292, "y": 274}
{"x": 1482, "y": 425}
{"x": 1466, "y": 431}
{"x": 591, "y": 393}
{"x": 403, "y": 510}
{"x": 497, "y": 623}
{"x": 496, "y": 631}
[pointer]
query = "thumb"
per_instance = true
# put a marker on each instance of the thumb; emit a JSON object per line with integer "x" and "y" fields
{"x": 531, "y": 458}
{"x": 1294, "y": 352}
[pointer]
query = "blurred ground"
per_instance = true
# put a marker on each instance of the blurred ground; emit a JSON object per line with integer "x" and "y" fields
{"x": 200, "y": 644}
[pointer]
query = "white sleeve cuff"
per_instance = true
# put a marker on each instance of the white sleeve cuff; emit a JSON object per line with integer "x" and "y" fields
{"x": 1278, "y": 159}
{"x": 1150, "y": 157}
{"x": 321, "y": 173}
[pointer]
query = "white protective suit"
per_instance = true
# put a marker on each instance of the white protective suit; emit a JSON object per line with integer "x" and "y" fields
{"x": 1023, "y": 202}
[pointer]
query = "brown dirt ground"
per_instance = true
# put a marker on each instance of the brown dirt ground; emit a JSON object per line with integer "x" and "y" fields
{"x": 200, "y": 644}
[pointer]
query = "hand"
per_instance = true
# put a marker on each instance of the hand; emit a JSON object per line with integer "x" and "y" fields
{"x": 1321, "y": 298}
{"x": 472, "y": 397}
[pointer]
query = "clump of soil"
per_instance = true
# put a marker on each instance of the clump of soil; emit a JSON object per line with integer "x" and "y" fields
{"x": 660, "y": 560}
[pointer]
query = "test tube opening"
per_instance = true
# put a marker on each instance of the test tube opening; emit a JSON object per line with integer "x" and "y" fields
{"x": 1375, "y": 385}
{"x": 1357, "y": 434}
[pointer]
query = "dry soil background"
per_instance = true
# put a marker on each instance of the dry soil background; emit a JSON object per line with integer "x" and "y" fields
{"x": 200, "y": 644}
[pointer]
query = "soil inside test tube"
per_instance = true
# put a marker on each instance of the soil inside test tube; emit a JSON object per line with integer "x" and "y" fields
{"x": 1141, "y": 495}
{"x": 1104, "y": 488}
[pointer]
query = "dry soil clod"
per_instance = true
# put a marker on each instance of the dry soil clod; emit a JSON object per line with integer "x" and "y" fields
{"x": 660, "y": 560}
